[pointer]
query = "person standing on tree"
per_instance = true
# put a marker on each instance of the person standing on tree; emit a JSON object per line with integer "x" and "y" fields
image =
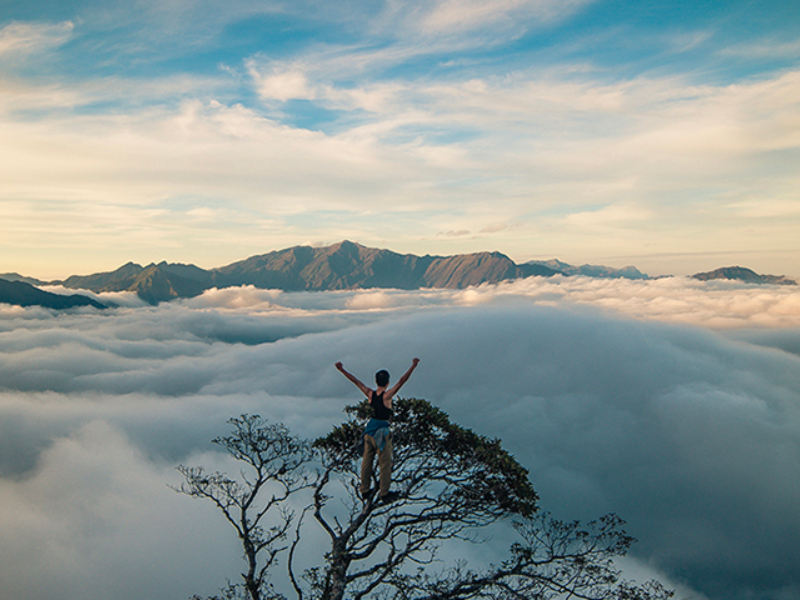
{"x": 377, "y": 435}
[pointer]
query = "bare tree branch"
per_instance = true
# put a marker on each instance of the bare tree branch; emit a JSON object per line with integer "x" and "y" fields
{"x": 277, "y": 468}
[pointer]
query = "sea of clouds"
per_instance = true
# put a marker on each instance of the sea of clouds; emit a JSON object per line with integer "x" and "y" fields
{"x": 674, "y": 403}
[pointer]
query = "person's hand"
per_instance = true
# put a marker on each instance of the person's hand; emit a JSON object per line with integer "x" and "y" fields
{"x": 415, "y": 361}
{"x": 339, "y": 365}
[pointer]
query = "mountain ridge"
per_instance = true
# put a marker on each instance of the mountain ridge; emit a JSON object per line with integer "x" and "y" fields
{"x": 22, "y": 278}
{"x": 341, "y": 266}
{"x": 348, "y": 265}
{"x": 600, "y": 271}
{"x": 743, "y": 274}
{"x": 21, "y": 293}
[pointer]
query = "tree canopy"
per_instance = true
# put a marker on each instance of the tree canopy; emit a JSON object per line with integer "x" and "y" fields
{"x": 453, "y": 484}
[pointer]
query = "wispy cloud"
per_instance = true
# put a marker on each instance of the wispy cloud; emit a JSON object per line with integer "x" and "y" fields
{"x": 22, "y": 38}
{"x": 765, "y": 48}
{"x": 466, "y": 17}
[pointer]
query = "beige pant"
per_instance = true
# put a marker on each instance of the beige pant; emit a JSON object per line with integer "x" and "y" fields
{"x": 384, "y": 464}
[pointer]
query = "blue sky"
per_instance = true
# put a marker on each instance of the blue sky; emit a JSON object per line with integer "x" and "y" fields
{"x": 660, "y": 134}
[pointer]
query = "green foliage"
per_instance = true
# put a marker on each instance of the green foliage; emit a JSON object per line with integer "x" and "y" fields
{"x": 426, "y": 441}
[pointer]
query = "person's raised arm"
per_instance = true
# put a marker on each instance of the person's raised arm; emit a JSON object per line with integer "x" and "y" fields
{"x": 391, "y": 392}
{"x": 364, "y": 389}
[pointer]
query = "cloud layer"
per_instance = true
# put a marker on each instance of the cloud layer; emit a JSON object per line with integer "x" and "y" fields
{"x": 690, "y": 435}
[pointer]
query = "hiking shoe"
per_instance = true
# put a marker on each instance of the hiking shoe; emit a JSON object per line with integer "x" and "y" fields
{"x": 368, "y": 494}
{"x": 390, "y": 497}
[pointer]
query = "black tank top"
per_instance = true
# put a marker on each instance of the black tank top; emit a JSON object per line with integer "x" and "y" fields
{"x": 381, "y": 412}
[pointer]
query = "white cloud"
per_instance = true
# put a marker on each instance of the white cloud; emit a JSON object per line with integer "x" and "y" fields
{"x": 282, "y": 85}
{"x": 19, "y": 38}
{"x": 98, "y": 519}
{"x": 713, "y": 304}
{"x": 779, "y": 207}
{"x": 682, "y": 431}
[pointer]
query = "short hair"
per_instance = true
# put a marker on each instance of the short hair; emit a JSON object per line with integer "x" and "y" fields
{"x": 382, "y": 377}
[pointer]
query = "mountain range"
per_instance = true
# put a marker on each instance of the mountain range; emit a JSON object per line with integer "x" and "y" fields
{"x": 346, "y": 265}
{"x": 342, "y": 266}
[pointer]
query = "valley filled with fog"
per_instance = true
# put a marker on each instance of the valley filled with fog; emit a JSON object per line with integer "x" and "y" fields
{"x": 672, "y": 402}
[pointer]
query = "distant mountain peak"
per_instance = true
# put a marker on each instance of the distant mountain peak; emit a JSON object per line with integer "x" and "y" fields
{"x": 600, "y": 271}
{"x": 344, "y": 245}
{"x": 737, "y": 273}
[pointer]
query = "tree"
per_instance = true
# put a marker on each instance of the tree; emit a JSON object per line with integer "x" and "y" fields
{"x": 453, "y": 485}
{"x": 255, "y": 504}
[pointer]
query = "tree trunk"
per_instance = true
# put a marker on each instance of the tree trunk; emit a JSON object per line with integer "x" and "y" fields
{"x": 253, "y": 588}
{"x": 337, "y": 573}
